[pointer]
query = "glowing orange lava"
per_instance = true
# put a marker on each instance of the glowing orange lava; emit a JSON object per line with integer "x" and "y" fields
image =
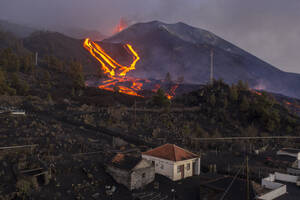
{"x": 116, "y": 73}
{"x": 121, "y": 26}
{"x": 292, "y": 105}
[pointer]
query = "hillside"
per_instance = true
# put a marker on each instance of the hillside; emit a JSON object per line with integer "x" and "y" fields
{"x": 20, "y": 31}
{"x": 79, "y": 33}
{"x": 185, "y": 50}
{"x": 74, "y": 127}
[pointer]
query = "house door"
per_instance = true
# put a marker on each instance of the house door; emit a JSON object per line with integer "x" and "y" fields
{"x": 194, "y": 168}
{"x": 182, "y": 171}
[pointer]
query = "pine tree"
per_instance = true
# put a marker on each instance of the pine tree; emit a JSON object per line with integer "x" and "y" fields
{"x": 233, "y": 93}
{"x": 73, "y": 92}
{"x": 244, "y": 106}
{"x": 212, "y": 100}
{"x": 168, "y": 78}
{"x": 160, "y": 99}
{"x": 3, "y": 85}
{"x": 49, "y": 99}
{"x": 77, "y": 74}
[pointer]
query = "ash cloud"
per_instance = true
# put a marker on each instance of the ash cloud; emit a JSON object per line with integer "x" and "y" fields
{"x": 269, "y": 29}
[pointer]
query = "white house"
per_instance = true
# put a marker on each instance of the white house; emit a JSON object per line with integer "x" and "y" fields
{"x": 274, "y": 189}
{"x": 173, "y": 162}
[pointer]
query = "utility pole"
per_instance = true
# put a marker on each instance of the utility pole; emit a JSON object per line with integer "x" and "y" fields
{"x": 247, "y": 184}
{"x": 36, "y": 58}
{"x": 135, "y": 112}
{"x": 211, "y": 66}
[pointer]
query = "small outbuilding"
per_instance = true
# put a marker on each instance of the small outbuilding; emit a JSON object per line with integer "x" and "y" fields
{"x": 173, "y": 162}
{"x": 132, "y": 172}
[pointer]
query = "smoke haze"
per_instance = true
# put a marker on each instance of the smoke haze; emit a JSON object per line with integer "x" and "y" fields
{"x": 269, "y": 29}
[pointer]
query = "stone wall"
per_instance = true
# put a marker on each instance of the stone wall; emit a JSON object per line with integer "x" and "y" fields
{"x": 120, "y": 176}
{"x": 142, "y": 177}
{"x": 135, "y": 179}
{"x": 162, "y": 166}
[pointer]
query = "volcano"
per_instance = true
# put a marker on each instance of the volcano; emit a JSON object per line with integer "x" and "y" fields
{"x": 183, "y": 50}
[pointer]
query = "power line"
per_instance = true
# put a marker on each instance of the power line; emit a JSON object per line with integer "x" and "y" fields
{"x": 247, "y": 138}
{"x": 18, "y": 147}
{"x": 235, "y": 176}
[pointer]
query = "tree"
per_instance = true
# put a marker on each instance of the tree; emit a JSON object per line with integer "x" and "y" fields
{"x": 212, "y": 100}
{"x": 186, "y": 130}
{"x": 9, "y": 60}
{"x": 242, "y": 85}
{"x": 49, "y": 98}
{"x": 270, "y": 126}
{"x": 15, "y": 81}
{"x": 73, "y": 92}
{"x": 225, "y": 103}
{"x": 27, "y": 64}
{"x": 160, "y": 99}
{"x": 168, "y": 78}
{"x": 251, "y": 131}
{"x": 3, "y": 84}
{"x": 24, "y": 188}
{"x": 23, "y": 88}
{"x": 77, "y": 74}
{"x": 233, "y": 93}
{"x": 20, "y": 86}
{"x": 200, "y": 132}
{"x": 46, "y": 76}
{"x": 244, "y": 106}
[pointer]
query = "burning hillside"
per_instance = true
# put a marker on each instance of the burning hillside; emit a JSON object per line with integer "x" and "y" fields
{"x": 184, "y": 50}
{"x": 121, "y": 26}
{"x": 116, "y": 74}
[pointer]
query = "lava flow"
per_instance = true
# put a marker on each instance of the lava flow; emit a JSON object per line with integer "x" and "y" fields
{"x": 115, "y": 71}
{"x": 121, "y": 26}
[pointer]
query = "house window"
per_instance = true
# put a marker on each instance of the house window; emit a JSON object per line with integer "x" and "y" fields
{"x": 143, "y": 175}
{"x": 188, "y": 166}
{"x": 178, "y": 169}
{"x": 162, "y": 167}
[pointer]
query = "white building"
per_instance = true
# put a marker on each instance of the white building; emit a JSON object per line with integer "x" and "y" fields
{"x": 278, "y": 189}
{"x": 293, "y": 153}
{"x": 275, "y": 189}
{"x": 173, "y": 162}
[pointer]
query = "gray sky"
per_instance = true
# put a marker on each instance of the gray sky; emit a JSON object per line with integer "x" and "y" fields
{"x": 269, "y": 29}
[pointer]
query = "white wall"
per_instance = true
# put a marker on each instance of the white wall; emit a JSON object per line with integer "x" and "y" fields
{"x": 162, "y": 166}
{"x": 286, "y": 177}
{"x": 187, "y": 173}
{"x": 274, "y": 193}
{"x": 169, "y": 168}
{"x": 282, "y": 152}
{"x": 270, "y": 184}
{"x": 277, "y": 189}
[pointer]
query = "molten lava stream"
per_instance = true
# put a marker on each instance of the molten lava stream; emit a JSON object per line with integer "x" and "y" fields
{"x": 115, "y": 71}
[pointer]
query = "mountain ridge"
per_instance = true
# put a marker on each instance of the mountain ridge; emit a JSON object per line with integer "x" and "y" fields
{"x": 185, "y": 50}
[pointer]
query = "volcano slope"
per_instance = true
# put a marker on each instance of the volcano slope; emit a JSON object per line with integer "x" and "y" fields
{"x": 184, "y": 50}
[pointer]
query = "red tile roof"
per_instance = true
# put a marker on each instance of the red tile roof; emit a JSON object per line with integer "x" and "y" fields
{"x": 170, "y": 152}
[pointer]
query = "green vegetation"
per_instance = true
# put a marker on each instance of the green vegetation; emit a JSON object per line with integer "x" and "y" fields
{"x": 237, "y": 106}
{"x": 159, "y": 99}
{"x": 20, "y": 76}
{"x": 11, "y": 66}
